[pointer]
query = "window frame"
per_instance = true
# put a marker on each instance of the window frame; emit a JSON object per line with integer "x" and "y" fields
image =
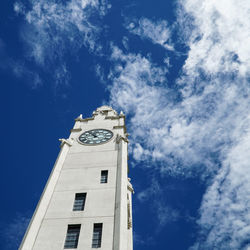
{"x": 104, "y": 176}
{"x": 97, "y": 235}
{"x": 73, "y": 231}
{"x": 77, "y": 200}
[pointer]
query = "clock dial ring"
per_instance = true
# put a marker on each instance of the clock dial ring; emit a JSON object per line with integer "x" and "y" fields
{"x": 95, "y": 137}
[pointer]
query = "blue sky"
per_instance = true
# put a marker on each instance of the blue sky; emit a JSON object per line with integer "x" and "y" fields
{"x": 179, "y": 70}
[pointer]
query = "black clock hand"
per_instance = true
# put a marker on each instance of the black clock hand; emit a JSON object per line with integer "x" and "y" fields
{"x": 94, "y": 134}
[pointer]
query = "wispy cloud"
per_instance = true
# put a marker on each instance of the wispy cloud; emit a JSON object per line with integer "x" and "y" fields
{"x": 13, "y": 233}
{"x": 53, "y": 29}
{"x": 218, "y": 38}
{"x": 202, "y": 127}
{"x": 142, "y": 240}
{"x": 166, "y": 214}
{"x": 18, "y": 68}
{"x": 23, "y": 72}
{"x": 218, "y": 50}
{"x": 157, "y": 32}
{"x": 161, "y": 125}
{"x": 150, "y": 191}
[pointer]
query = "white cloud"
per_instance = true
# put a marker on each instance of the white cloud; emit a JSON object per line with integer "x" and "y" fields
{"x": 142, "y": 240}
{"x": 53, "y": 29}
{"x": 54, "y": 26}
{"x": 100, "y": 74}
{"x": 21, "y": 71}
{"x": 139, "y": 152}
{"x": 125, "y": 42}
{"x": 162, "y": 129}
{"x": 146, "y": 194}
{"x": 202, "y": 126}
{"x": 219, "y": 49}
{"x": 61, "y": 74}
{"x": 157, "y": 32}
{"x": 18, "y": 68}
{"x": 219, "y": 41}
{"x": 19, "y": 8}
{"x": 13, "y": 233}
{"x": 225, "y": 211}
{"x": 166, "y": 214}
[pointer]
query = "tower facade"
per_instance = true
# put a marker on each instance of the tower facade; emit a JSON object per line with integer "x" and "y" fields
{"x": 87, "y": 201}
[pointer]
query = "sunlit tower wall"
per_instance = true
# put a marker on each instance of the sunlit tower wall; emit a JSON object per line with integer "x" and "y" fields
{"x": 87, "y": 201}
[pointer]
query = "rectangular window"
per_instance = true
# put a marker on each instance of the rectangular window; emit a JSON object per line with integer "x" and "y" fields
{"x": 79, "y": 202}
{"x": 72, "y": 236}
{"x": 104, "y": 176}
{"x": 97, "y": 235}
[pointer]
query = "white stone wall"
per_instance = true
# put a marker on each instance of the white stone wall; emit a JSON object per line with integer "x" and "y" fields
{"x": 77, "y": 170}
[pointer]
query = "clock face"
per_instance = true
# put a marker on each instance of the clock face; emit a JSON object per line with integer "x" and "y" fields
{"x": 95, "y": 136}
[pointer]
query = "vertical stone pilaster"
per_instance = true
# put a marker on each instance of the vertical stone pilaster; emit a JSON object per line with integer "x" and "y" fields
{"x": 130, "y": 191}
{"x": 121, "y": 214}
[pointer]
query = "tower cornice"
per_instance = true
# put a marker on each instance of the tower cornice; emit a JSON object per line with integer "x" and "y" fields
{"x": 69, "y": 142}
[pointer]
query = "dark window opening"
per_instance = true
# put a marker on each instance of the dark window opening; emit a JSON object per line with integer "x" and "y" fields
{"x": 104, "y": 176}
{"x": 97, "y": 235}
{"x": 79, "y": 203}
{"x": 72, "y": 236}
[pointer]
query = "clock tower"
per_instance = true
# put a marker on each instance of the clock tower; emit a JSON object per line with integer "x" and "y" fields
{"x": 87, "y": 201}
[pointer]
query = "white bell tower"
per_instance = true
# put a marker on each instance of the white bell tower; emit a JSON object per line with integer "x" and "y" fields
{"x": 87, "y": 201}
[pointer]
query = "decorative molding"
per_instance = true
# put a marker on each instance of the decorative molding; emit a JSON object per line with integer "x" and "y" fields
{"x": 130, "y": 187}
{"x": 69, "y": 142}
{"x": 115, "y": 117}
{"x": 129, "y": 212}
{"x": 112, "y": 117}
{"x": 124, "y": 127}
{"x": 85, "y": 119}
{"x": 76, "y": 130}
{"x": 97, "y": 112}
{"x": 119, "y": 138}
{"x": 129, "y": 216}
{"x": 104, "y": 110}
{"x": 79, "y": 118}
{"x": 117, "y": 127}
{"x": 121, "y": 126}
